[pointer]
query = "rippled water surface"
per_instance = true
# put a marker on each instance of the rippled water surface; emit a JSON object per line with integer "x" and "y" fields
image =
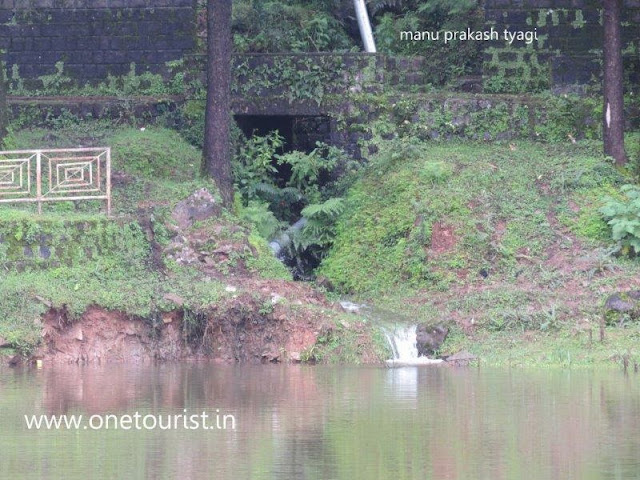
{"x": 326, "y": 423}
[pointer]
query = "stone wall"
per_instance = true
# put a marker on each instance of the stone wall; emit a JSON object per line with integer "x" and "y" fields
{"x": 52, "y": 241}
{"x": 310, "y": 75}
{"x": 570, "y": 35}
{"x": 95, "y": 38}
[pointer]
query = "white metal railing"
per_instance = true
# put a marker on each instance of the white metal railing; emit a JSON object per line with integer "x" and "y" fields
{"x": 38, "y": 176}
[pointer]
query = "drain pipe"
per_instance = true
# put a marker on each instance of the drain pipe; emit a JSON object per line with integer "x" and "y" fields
{"x": 365, "y": 26}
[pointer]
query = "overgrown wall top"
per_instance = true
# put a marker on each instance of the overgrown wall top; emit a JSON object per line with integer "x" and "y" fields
{"x": 95, "y": 38}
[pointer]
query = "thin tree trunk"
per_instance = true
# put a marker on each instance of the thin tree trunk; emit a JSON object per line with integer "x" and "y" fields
{"x": 4, "y": 114}
{"x": 613, "y": 121}
{"x": 217, "y": 145}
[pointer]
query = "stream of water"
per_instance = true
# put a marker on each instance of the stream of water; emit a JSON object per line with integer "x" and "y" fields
{"x": 400, "y": 333}
{"x": 403, "y": 342}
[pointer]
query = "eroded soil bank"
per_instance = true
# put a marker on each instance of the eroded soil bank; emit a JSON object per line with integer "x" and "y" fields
{"x": 285, "y": 323}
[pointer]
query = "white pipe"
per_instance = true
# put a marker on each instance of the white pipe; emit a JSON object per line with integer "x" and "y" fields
{"x": 365, "y": 26}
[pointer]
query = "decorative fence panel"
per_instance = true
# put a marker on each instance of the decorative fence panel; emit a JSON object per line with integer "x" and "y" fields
{"x": 39, "y": 176}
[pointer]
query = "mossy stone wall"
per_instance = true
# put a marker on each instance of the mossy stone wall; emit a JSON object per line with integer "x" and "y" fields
{"x": 28, "y": 242}
{"x": 95, "y": 38}
{"x": 567, "y": 51}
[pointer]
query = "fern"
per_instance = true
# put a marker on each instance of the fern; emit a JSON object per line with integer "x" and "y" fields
{"x": 261, "y": 218}
{"x": 320, "y": 227}
{"x": 378, "y": 5}
{"x": 332, "y": 208}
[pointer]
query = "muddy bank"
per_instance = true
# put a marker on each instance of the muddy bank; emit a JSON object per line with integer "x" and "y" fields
{"x": 247, "y": 328}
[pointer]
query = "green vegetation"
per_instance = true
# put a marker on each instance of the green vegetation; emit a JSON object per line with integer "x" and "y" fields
{"x": 131, "y": 84}
{"x": 503, "y": 242}
{"x": 488, "y": 233}
{"x": 447, "y": 63}
{"x": 496, "y": 203}
{"x": 624, "y": 218}
{"x": 298, "y": 26}
{"x": 575, "y": 347}
{"x": 155, "y": 153}
{"x": 73, "y": 257}
{"x": 271, "y": 200}
{"x": 514, "y": 244}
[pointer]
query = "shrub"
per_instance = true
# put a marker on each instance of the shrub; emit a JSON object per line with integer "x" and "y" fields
{"x": 447, "y": 62}
{"x": 624, "y": 218}
{"x": 320, "y": 229}
{"x": 270, "y": 26}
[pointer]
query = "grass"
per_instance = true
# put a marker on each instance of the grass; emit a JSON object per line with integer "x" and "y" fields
{"x": 503, "y": 242}
{"x": 577, "y": 347}
{"x": 496, "y": 201}
{"x": 109, "y": 262}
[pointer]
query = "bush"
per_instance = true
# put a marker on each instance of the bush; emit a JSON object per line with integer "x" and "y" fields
{"x": 261, "y": 172}
{"x": 447, "y": 62}
{"x": 320, "y": 229}
{"x": 624, "y": 218}
{"x": 270, "y": 26}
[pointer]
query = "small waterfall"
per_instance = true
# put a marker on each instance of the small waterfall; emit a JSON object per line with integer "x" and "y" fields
{"x": 300, "y": 263}
{"x": 403, "y": 342}
{"x": 278, "y": 245}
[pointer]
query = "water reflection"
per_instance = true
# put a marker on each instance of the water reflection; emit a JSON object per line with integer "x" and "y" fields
{"x": 323, "y": 423}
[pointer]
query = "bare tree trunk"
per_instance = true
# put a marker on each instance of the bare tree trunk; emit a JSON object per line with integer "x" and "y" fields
{"x": 613, "y": 131}
{"x": 217, "y": 145}
{"x": 4, "y": 114}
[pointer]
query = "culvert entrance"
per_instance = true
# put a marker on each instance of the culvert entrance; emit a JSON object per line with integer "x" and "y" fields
{"x": 299, "y": 132}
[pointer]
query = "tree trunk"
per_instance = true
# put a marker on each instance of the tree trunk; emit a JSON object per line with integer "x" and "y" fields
{"x": 217, "y": 145}
{"x": 4, "y": 113}
{"x": 613, "y": 131}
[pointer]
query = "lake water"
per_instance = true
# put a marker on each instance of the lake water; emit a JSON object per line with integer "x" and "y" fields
{"x": 296, "y": 422}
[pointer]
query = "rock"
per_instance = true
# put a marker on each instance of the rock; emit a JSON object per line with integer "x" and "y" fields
{"x": 295, "y": 357}
{"x": 350, "y": 307}
{"x": 43, "y": 301}
{"x": 621, "y": 306}
{"x": 130, "y": 329}
{"x": 16, "y": 361}
{"x": 325, "y": 283}
{"x": 224, "y": 250}
{"x": 270, "y": 354}
{"x": 181, "y": 251}
{"x": 429, "y": 338}
{"x": 461, "y": 359}
{"x": 199, "y": 206}
{"x": 77, "y": 333}
{"x": 230, "y": 289}
{"x": 173, "y": 298}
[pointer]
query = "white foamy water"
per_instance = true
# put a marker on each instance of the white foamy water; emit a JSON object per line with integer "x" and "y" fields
{"x": 404, "y": 347}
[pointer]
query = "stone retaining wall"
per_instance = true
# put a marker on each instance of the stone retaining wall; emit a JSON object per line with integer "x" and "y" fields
{"x": 95, "y": 38}
{"x": 570, "y": 37}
